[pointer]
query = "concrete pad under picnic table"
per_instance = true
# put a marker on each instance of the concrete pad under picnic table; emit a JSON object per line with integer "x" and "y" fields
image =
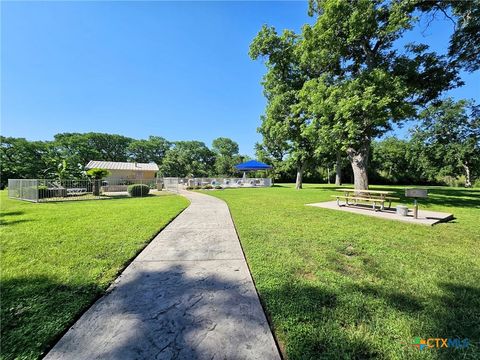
{"x": 425, "y": 217}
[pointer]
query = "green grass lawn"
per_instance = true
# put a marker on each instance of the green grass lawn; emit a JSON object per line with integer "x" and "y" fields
{"x": 338, "y": 285}
{"x": 57, "y": 258}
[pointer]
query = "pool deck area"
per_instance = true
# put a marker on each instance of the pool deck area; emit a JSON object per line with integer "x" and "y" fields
{"x": 425, "y": 217}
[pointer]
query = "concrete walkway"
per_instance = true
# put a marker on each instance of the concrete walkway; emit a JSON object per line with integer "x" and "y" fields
{"x": 188, "y": 295}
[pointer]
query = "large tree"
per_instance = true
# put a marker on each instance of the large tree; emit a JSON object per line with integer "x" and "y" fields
{"x": 188, "y": 158}
{"x": 360, "y": 84}
{"x": 450, "y": 134}
{"x": 284, "y": 121}
{"x": 153, "y": 150}
{"x": 21, "y": 159}
{"x": 80, "y": 148}
{"x": 226, "y": 156}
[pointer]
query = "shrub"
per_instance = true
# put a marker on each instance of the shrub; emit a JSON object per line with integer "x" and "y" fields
{"x": 190, "y": 187}
{"x": 476, "y": 184}
{"x": 454, "y": 181}
{"x": 197, "y": 187}
{"x": 218, "y": 187}
{"x": 207, "y": 187}
{"x": 136, "y": 190}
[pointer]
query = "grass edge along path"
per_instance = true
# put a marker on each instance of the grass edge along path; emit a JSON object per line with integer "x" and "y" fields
{"x": 58, "y": 258}
{"x": 338, "y": 285}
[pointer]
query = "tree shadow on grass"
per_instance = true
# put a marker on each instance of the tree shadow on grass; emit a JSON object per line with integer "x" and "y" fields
{"x": 440, "y": 197}
{"x": 36, "y": 309}
{"x": 11, "y": 213}
{"x": 397, "y": 300}
{"x": 13, "y": 222}
{"x": 460, "y": 313}
{"x": 454, "y": 314}
{"x": 8, "y": 218}
{"x": 314, "y": 322}
{"x": 303, "y": 313}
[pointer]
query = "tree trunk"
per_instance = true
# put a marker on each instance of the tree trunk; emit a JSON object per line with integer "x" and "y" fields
{"x": 338, "y": 169}
{"x": 359, "y": 161}
{"x": 96, "y": 187}
{"x": 468, "y": 179}
{"x": 299, "y": 181}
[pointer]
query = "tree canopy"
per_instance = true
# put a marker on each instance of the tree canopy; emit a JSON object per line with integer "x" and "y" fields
{"x": 226, "y": 156}
{"x": 188, "y": 158}
{"x": 152, "y": 149}
{"x": 67, "y": 155}
{"x": 343, "y": 81}
{"x": 450, "y": 135}
{"x": 284, "y": 122}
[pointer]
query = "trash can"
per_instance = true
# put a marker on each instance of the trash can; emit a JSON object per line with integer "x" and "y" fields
{"x": 402, "y": 210}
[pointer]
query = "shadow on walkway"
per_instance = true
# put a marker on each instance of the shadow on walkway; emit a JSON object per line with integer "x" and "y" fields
{"x": 167, "y": 311}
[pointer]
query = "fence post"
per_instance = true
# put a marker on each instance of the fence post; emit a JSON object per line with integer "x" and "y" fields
{"x": 36, "y": 190}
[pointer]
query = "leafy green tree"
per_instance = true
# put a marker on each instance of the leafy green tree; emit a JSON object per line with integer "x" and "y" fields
{"x": 79, "y": 148}
{"x": 153, "y": 150}
{"x": 284, "y": 121}
{"x": 359, "y": 83}
{"x": 188, "y": 158}
{"x": 273, "y": 155}
{"x": 396, "y": 161}
{"x": 450, "y": 132}
{"x": 225, "y": 146}
{"x": 226, "y": 156}
{"x": 21, "y": 159}
{"x": 464, "y": 47}
{"x": 97, "y": 175}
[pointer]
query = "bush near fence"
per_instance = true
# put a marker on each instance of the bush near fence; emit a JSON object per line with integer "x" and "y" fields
{"x": 136, "y": 190}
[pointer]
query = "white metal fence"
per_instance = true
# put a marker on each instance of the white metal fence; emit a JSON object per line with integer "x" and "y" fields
{"x": 42, "y": 190}
{"x": 171, "y": 183}
{"x": 175, "y": 183}
{"x": 24, "y": 189}
{"x": 228, "y": 182}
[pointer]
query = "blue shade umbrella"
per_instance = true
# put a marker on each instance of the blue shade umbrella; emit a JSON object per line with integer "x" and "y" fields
{"x": 251, "y": 165}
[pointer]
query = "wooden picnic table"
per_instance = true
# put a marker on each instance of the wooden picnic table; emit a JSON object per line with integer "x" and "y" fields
{"x": 371, "y": 196}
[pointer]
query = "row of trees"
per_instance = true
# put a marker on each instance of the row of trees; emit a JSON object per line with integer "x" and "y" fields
{"x": 345, "y": 81}
{"x": 443, "y": 148}
{"x": 67, "y": 155}
{"x": 439, "y": 151}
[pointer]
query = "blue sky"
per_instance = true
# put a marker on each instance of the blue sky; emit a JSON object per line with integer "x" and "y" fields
{"x": 174, "y": 69}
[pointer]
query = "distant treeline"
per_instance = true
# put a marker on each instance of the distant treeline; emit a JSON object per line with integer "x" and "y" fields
{"x": 392, "y": 161}
{"x": 66, "y": 156}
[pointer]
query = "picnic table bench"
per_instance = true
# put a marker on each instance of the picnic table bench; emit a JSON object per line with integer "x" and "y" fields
{"x": 370, "y": 196}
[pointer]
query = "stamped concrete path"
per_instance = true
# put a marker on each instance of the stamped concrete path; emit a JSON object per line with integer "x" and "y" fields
{"x": 188, "y": 295}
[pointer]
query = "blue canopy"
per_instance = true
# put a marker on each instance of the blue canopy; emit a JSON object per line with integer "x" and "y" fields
{"x": 252, "y": 165}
